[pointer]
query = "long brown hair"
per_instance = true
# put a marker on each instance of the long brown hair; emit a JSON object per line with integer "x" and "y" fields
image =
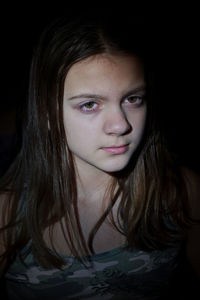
{"x": 43, "y": 174}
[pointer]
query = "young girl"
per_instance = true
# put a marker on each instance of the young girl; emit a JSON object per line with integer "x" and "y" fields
{"x": 94, "y": 205}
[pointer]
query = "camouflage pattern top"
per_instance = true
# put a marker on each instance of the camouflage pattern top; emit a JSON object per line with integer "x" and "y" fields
{"x": 116, "y": 274}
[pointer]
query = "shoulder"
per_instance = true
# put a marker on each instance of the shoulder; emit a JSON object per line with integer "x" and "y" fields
{"x": 192, "y": 182}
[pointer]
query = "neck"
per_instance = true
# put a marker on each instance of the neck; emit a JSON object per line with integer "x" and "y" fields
{"x": 92, "y": 183}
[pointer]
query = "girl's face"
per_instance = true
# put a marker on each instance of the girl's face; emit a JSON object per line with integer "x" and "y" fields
{"x": 104, "y": 111}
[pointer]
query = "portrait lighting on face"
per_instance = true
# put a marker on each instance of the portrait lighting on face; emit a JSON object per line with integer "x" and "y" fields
{"x": 105, "y": 111}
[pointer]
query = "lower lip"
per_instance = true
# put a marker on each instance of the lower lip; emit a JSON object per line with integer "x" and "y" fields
{"x": 116, "y": 150}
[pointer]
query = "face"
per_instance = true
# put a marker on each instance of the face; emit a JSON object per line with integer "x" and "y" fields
{"x": 104, "y": 111}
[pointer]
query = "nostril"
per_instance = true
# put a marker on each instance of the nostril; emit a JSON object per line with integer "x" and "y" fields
{"x": 117, "y": 124}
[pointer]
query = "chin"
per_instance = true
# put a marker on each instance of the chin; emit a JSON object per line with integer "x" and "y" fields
{"x": 116, "y": 167}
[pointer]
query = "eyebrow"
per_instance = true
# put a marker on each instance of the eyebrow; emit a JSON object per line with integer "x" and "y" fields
{"x": 96, "y": 96}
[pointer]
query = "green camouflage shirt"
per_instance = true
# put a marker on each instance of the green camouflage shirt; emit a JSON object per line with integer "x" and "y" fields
{"x": 117, "y": 274}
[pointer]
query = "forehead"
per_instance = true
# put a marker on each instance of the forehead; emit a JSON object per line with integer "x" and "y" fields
{"x": 104, "y": 72}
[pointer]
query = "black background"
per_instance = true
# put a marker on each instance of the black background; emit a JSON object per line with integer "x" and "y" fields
{"x": 174, "y": 54}
{"x": 175, "y": 36}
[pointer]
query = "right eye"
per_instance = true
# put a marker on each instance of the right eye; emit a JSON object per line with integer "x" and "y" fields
{"x": 89, "y": 106}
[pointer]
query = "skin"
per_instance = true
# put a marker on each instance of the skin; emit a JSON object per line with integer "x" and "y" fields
{"x": 115, "y": 117}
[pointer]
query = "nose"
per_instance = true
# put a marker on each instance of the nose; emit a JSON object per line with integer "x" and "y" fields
{"x": 116, "y": 123}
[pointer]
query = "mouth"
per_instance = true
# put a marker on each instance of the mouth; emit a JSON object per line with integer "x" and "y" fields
{"x": 116, "y": 149}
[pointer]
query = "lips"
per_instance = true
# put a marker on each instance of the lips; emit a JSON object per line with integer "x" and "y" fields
{"x": 116, "y": 149}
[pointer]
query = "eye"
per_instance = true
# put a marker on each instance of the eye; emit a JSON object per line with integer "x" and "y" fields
{"x": 89, "y": 106}
{"x": 134, "y": 100}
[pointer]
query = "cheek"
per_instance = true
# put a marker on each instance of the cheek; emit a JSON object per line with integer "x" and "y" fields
{"x": 78, "y": 132}
{"x": 138, "y": 121}
{"x": 71, "y": 129}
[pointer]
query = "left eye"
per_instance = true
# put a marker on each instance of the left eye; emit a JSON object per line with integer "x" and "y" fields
{"x": 134, "y": 100}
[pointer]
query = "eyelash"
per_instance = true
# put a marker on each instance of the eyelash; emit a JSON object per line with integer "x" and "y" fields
{"x": 82, "y": 107}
